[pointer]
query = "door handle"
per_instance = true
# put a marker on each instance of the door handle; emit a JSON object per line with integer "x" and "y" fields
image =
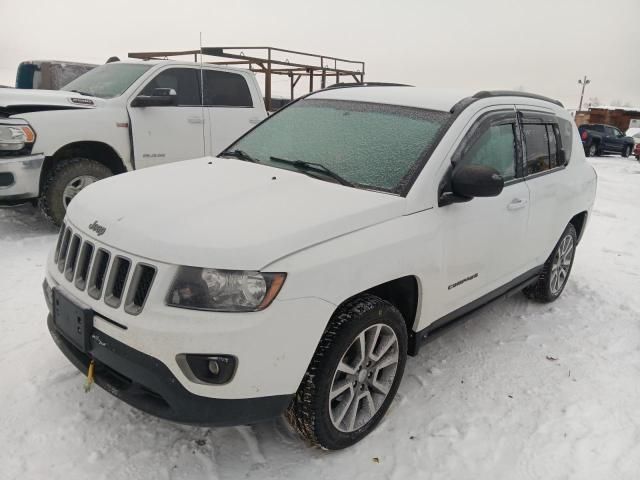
{"x": 195, "y": 120}
{"x": 517, "y": 204}
{"x": 254, "y": 120}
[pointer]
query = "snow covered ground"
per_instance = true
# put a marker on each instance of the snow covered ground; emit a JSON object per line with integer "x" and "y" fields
{"x": 518, "y": 391}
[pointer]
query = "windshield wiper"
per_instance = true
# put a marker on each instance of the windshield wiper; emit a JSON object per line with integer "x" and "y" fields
{"x": 318, "y": 167}
{"x": 241, "y": 154}
{"x": 82, "y": 93}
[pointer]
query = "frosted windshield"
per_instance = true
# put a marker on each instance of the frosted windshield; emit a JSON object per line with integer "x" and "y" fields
{"x": 370, "y": 145}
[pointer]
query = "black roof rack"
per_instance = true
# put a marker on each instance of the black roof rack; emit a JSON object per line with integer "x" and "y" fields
{"x": 273, "y": 61}
{"x": 513, "y": 93}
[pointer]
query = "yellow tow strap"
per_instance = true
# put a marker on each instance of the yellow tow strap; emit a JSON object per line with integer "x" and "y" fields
{"x": 87, "y": 386}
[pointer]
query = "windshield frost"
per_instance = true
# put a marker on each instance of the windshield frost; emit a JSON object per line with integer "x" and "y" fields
{"x": 107, "y": 81}
{"x": 372, "y": 145}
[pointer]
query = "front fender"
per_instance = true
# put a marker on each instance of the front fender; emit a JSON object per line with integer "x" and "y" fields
{"x": 342, "y": 267}
{"x": 57, "y": 128}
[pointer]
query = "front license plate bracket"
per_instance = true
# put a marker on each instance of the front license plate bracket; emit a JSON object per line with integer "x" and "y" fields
{"x": 73, "y": 321}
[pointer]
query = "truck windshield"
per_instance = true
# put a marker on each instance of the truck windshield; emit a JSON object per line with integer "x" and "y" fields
{"x": 107, "y": 81}
{"x": 369, "y": 145}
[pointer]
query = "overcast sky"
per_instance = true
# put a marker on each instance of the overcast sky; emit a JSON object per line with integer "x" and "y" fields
{"x": 543, "y": 46}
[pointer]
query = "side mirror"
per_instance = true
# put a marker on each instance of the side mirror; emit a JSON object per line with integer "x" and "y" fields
{"x": 161, "y": 97}
{"x": 476, "y": 181}
{"x": 468, "y": 181}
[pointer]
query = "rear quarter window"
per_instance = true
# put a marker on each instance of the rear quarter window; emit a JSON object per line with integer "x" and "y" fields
{"x": 566, "y": 136}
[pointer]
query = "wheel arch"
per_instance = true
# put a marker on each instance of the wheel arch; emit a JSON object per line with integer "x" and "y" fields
{"x": 404, "y": 294}
{"x": 579, "y": 221}
{"x": 98, "y": 151}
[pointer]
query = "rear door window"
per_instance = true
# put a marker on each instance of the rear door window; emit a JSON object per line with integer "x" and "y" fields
{"x": 537, "y": 158}
{"x": 225, "y": 89}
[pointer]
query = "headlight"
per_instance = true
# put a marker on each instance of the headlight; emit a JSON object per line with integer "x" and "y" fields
{"x": 15, "y": 137}
{"x": 224, "y": 290}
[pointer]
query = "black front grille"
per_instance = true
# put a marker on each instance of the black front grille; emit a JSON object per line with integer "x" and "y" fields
{"x": 117, "y": 281}
{"x": 72, "y": 257}
{"x": 56, "y": 255}
{"x": 139, "y": 288}
{"x": 90, "y": 267}
{"x": 64, "y": 246}
{"x": 98, "y": 272}
{"x": 82, "y": 270}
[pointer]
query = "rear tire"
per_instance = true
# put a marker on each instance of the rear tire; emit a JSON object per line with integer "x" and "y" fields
{"x": 556, "y": 270}
{"x": 64, "y": 181}
{"x": 626, "y": 151}
{"x": 353, "y": 376}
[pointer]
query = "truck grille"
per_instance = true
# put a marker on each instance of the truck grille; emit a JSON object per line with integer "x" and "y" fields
{"x": 103, "y": 275}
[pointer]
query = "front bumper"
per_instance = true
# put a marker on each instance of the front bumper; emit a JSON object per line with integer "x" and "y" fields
{"x": 146, "y": 383}
{"x": 20, "y": 177}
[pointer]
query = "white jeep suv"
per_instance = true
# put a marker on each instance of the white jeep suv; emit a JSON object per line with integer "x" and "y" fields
{"x": 296, "y": 271}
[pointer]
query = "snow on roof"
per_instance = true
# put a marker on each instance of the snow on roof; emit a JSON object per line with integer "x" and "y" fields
{"x": 430, "y": 98}
{"x": 420, "y": 97}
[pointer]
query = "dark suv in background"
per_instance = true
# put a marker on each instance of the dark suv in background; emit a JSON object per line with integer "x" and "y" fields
{"x": 598, "y": 139}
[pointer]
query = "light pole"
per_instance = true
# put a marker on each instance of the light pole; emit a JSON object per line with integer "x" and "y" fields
{"x": 584, "y": 82}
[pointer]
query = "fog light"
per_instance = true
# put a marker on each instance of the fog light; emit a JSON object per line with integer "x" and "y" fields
{"x": 214, "y": 369}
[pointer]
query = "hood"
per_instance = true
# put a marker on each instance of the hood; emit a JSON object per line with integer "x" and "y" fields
{"x": 223, "y": 213}
{"x": 15, "y": 101}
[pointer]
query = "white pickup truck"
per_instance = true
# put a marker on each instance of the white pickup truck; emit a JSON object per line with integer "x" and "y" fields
{"x": 118, "y": 117}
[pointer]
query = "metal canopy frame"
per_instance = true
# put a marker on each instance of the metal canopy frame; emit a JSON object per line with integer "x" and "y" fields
{"x": 263, "y": 60}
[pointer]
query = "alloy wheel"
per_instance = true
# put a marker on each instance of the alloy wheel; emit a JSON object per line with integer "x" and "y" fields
{"x": 74, "y": 187}
{"x": 363, "y": 378}
{"x": 561, "y": 265}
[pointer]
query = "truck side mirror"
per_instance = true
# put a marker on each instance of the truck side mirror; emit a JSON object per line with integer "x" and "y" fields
{"x": 161, "y": 97}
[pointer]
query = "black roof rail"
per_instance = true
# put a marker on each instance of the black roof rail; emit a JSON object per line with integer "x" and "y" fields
{"x": 366, "y": 84}
{"x": 513, "y": 93}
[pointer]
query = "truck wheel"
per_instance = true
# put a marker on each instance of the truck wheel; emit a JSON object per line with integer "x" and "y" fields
{"x": 556, "y": 269}
{"x": 353, "y": 376}
{"x": 626, "y": 151}
{"x": 592, "y": 151}
{"x": 64, "y": 182}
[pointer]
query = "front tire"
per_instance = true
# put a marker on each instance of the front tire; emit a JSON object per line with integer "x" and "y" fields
{"x": 67, "y": 179}
{"x": 592, "y": 151}
{"x": 626, "y": 151}
{"x": 556, "y": 270}
{"x": 353, "y": 376}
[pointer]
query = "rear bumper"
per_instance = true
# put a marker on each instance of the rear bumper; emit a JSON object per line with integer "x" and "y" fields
{"x": 146, "y": 383}
{"x": 20, "y": 177}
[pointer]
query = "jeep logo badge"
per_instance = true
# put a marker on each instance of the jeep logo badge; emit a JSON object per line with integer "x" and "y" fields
{"x": 96, "y": 227}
